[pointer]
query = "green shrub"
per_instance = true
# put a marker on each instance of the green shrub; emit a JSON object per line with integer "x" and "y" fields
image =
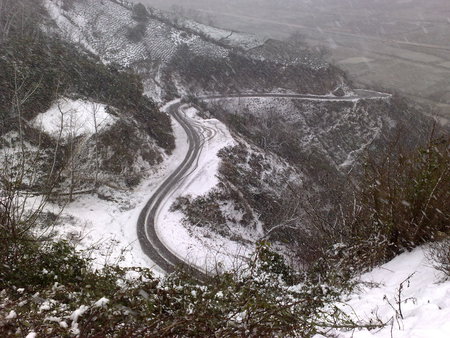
{"x": 34, "y": 265}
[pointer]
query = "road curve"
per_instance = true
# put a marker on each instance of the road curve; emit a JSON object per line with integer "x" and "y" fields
{"x": 150, "y": 243}
{"x": 148, "y": 238}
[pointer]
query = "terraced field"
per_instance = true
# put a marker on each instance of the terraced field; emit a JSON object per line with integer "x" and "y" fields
{"x": 179, "y": 56}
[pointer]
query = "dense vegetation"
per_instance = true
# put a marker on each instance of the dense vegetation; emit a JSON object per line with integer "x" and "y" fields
{"x": 241, "y": 72}
{"x": 59, "y": 295}
{"x": 401, "y": 201}
{"x": 50, "y": 289}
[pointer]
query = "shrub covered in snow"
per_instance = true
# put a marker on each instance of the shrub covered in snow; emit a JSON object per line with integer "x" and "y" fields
{"x": 439, "y": 254}
{"x": 133, "y": 303}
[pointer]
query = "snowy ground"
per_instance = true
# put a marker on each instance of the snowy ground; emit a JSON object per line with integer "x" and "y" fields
{"x": 107, "y": 228}
{"x": 407, "y": 293}
{"x": 421, "y": 310}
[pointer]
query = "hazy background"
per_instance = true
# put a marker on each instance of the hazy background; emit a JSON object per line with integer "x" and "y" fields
{"x": 401, "y": 45}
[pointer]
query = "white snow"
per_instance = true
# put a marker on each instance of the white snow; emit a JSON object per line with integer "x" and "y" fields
{"x": 106, "y": 230}
{"x": 424, "y": 299}
{"x": 215, "y": 137}
{"x": 11, "y": 315}
{"x": 101, "y": 302}
{"x": 67, "y": 29}
{"x": 72, "y": 118}
{"x": 45, "y": 306}
{"x": 74, "y": 317}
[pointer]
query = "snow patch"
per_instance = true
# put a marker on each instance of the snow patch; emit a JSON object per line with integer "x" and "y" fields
{"x": 11, "y": 315}
{"x": 102, "y": 302}
{"x": 74, "y": 316}
{"x": 72, "y": 118}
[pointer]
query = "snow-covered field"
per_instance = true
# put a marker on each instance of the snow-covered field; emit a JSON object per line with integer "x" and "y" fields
{"x": 408, "y": 294}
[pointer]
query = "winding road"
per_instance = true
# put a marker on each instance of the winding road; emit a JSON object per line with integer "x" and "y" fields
{"x": 147, "y": 233}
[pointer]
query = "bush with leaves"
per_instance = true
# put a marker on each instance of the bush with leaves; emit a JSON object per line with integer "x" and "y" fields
{"x": 133, "y": 303}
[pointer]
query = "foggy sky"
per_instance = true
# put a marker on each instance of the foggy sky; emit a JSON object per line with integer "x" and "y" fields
{"x": 318, "y": 4}
{"x": 322, "y": 10}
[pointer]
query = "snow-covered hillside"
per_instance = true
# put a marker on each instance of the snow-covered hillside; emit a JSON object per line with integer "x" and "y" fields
{"x": 180, "y": 57}
{"x": 162, "y": 177}
{"x": 408, "y": 294}
{"x": 106, "y": 226}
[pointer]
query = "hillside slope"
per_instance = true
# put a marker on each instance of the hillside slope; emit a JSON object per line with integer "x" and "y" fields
{"x": 179, "y": 57}
{"x": 320, "y": 141}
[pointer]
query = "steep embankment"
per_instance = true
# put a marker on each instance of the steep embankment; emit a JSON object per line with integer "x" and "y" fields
{"x": 291, "y": 154}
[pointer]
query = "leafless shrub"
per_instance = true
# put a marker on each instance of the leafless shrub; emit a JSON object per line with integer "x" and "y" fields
{"x": 439, "y": 255}
{"x": 402, "y": 202}
{"x": 19, "y": 17}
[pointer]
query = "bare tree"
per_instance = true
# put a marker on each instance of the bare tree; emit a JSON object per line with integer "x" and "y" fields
{"x": 18, "y": 16}
{"x": 24, "y": 192}
{"x": 97, "y": 122}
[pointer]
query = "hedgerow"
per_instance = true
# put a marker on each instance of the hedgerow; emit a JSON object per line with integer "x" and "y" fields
{"x": 74, "y": 300}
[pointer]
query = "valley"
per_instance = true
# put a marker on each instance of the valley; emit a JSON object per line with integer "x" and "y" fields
{"x": 371, "y": 41}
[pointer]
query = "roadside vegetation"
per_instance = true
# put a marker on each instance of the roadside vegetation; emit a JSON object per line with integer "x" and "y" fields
{"x": 402, "y": 202}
